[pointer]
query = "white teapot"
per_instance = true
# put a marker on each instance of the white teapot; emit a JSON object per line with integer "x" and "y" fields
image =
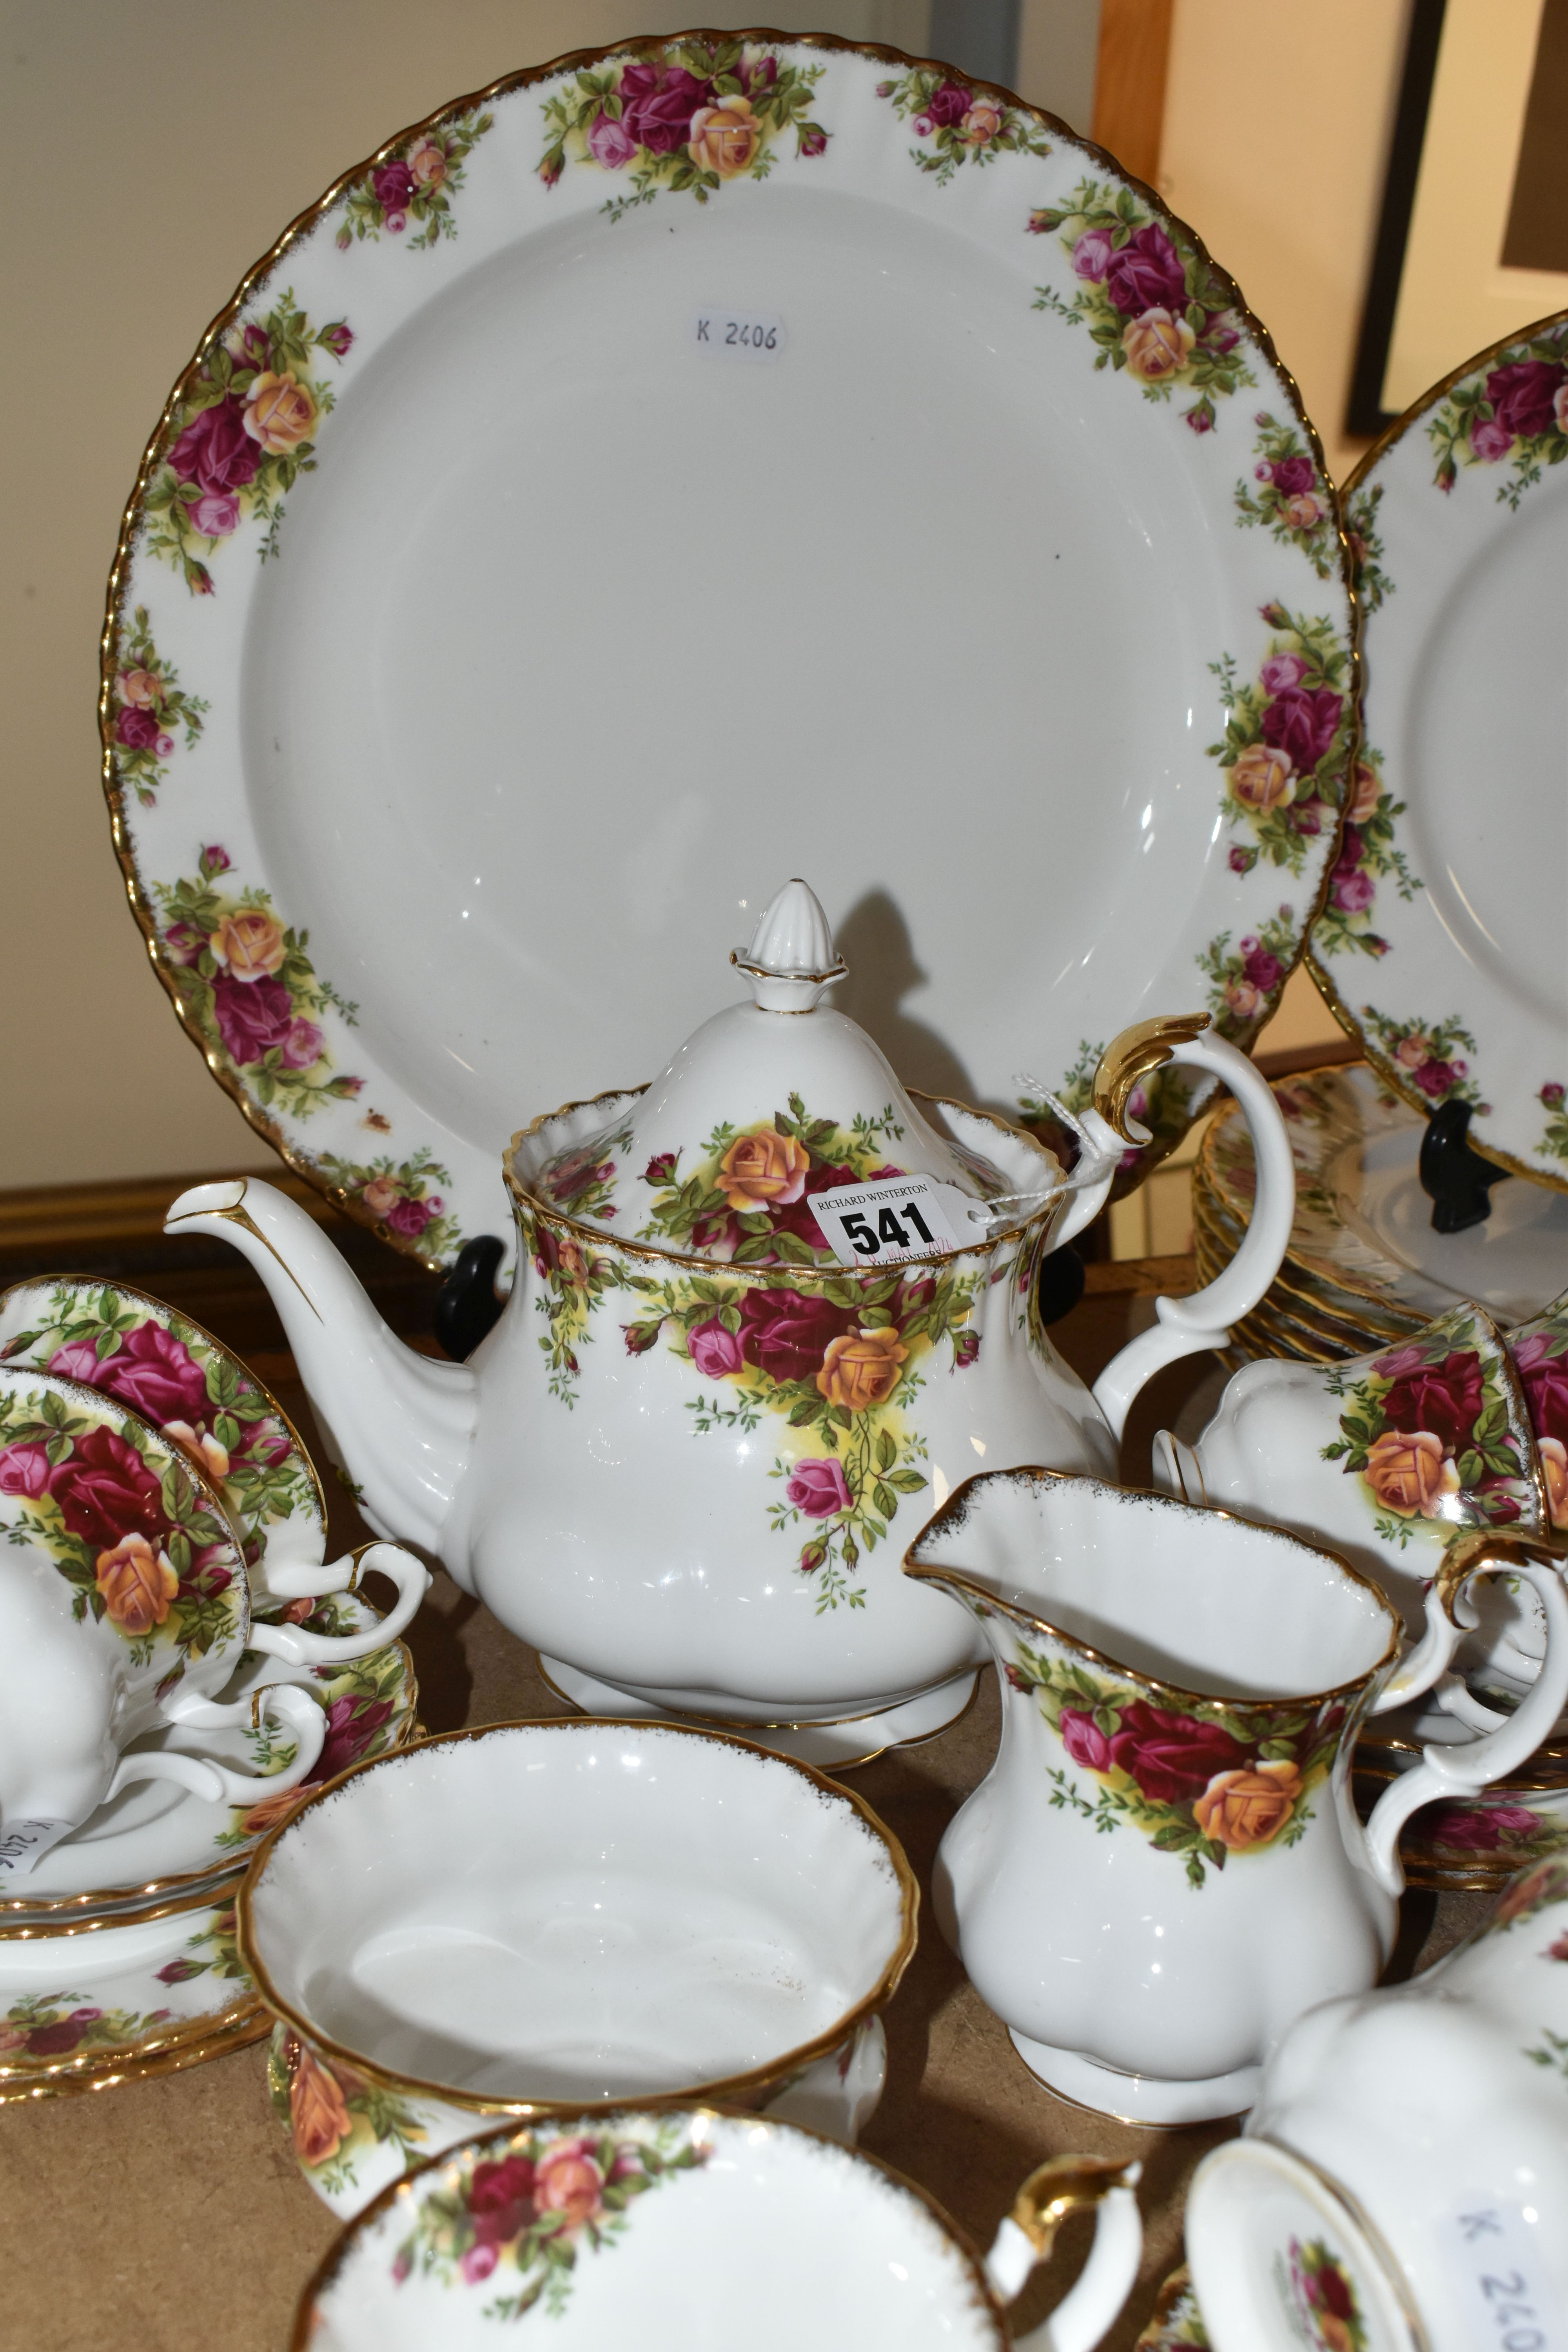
{"x": 761, "y": 1306}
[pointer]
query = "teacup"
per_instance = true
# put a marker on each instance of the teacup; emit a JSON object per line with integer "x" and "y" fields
{"x": 710, "y": 2230}
{"x": 532, "y": 1917}
{"x": 1388, "y": 1457}
{"x": 1165, "y": 1868}
{"x": 124, "y": 1606}
{"x": 1403, "y": 2178}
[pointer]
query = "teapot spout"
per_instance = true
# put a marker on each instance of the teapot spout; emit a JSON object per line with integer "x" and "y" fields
{"x": 397, "y": 1426}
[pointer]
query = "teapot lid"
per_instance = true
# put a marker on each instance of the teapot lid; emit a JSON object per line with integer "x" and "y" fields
{"x": 768, "y": 1105}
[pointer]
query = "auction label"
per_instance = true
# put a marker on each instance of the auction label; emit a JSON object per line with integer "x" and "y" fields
{"x": 739, "y": 334}
{"x": 26, "y": 1842}
{"x": 898, "y": 1217}
{"x": 1498, "y": 2267}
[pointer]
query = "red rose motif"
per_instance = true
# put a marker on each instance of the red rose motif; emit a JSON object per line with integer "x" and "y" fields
{"x": 1545, "y": 1382}
{"x": 393, "y": 187}
{"x": 787, "y": 1334}
{"x": 501, "y": 2199}
{"x": 349, "y": 1735}
{"x": 1331, "y": 2290}
{"x": 410, "y": 1218}
{"x": 1302, "y": 720}
{"x": 138, "y": 730}
{"x": 1444, "y": 1399}
{"x": 1484, "y": 1830}
{"x": 1292, "y": 476}
{"x": 1172, "y": 1756}
{"x": 950, "y": 105}
{"x": 795, "y": 1217}
{"x": 1522, "y": 393}
{"x": 215, "y": 451}
{"x": 658, "y": 104}
{"x": 1147, "y": 274}
{"x": 252, "y": 1015}
{"x": 106, "y": 1491}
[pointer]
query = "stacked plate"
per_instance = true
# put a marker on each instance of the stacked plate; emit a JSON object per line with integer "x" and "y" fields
{"x": 117, "y": 1950}
{"x": 1364, "y": 1266}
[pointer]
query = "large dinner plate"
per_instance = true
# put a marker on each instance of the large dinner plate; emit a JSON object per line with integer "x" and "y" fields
{"x": 672, "y": 470}
{"x": 1442, "y": 938}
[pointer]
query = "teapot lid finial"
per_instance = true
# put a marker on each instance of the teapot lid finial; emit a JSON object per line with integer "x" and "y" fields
{"x": 792, "y": 957}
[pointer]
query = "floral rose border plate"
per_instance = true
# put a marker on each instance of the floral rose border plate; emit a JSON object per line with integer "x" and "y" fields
{"x": 1436, "y": 497}
{"x": 1170, "y": 357}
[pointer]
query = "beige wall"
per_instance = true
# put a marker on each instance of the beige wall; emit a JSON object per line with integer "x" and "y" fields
{"x": 154, "y": 147}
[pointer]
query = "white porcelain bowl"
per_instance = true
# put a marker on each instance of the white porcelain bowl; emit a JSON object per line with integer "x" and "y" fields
{"x": 537, "y": 1916}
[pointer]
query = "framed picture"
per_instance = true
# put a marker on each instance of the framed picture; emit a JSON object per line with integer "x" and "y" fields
{"x": 1472, "y": 242}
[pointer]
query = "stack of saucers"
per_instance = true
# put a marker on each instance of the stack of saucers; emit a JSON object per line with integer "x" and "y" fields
{"x": 1364, "y": 1266}
{"x": 117, "y": 1944}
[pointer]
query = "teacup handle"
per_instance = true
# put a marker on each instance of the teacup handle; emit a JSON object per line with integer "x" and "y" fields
{"x": 313, "y": 1581}
{"x": 213, "y": 1782}
{"x": 1065, "y": 2185}
{"x": 1456, "y": 1771}
{"x": 1204, "y": 1320}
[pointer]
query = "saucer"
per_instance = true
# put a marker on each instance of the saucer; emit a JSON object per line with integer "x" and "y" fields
{"x": 464, "y": 429}
{"x": 82, "y": 2010}
{"x": 830, "y": 1746}
{"x": 156, "y": 1843}
{"x": 1175, "y": 2324}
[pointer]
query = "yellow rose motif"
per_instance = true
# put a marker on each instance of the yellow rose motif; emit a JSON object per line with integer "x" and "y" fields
{"x": 861, "y": 1368}
{"x": 427, "y": 164}
{"x": 1262, "y": 778}
{"x": 1554, "y": 1470}
{"x": 725, "y": 137}
{"x": 379, "y": 1194}
{"x": 982, "y": 121}
{"x": 139, "y": 688}
{"x": 268, "y": 1811}
{"x": 317, "y": 2112}
{"x": 1365, "y": 794}
{"x": 201, "y": 1445}
{"x": 137, "y": 1584}
{"x": 1408, "y": 1474}
{"x": 1245, "y": 998}
{"x": 250, "y": 943}
{"x": 279, "y": 412}
{"x": 1157, "y": 345}
{"x": 1304, "y": 511}
{"x": 1247, "y": 1807}
{"x": 761, "y": 1169}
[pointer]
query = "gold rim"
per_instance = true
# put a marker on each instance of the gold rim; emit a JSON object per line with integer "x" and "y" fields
{"x": 140, "y": 2063}
{"x": 1373, "y": 457}
{"x": 302, "y": 226}
{"x": 955, "y": 1509}
{"x": 321, "y": 2278}
{"x": 746, "y": 1725}
{"x": 755, "y": 1277}
{"x": 723, "y": 2092}
{"x": 163, "y": 1895}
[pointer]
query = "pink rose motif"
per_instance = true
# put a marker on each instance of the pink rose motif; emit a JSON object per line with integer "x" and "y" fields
{"x": 1351, "y": 889}
{"x": 817, "y": 1488}
{"x": 1200, "y": 419}
{"x": 1084, "y": 1740}
{"x": 79, "y": 1361}
{"x": 1560, "y": 407}
{"x": 1172, "y": 1756}
{"x": 215, "y": 514}
{"x": 338, "y": 339}
{"x": 1398, "y": 1362}
{"x": 813, "y": 140}
{"x": 1302, "y": 720}
{"x": 410, "y": 1218}
{"x": 1444, "y": 1399}
{"x": 1523, "y": 393}
{"x": 303, "y": 1046}
{"x": 1553, "y": 1096}
{"x": 965, "y": 1351}
{"x": 215, "y": 451}
{"x": 715, "y": 1352}
{"x": 215, "y": 859}
{"x": 1241, "y": 861}
{"x": 24, "y": 1470}
{"x": 1490, "y": 439}
{"x": 658, "y": 104}
{"x": 479, "y": 2260}
{"x": 153, "y": 1372}
{"x": 252, "y": 1015}
{"x": 1147, "y": 274}
{"x": 1093, "y": 254}
{"x": 137, "y": 729}
{"x": 1290, "y": 475}
{"x": 609, "y": 145}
